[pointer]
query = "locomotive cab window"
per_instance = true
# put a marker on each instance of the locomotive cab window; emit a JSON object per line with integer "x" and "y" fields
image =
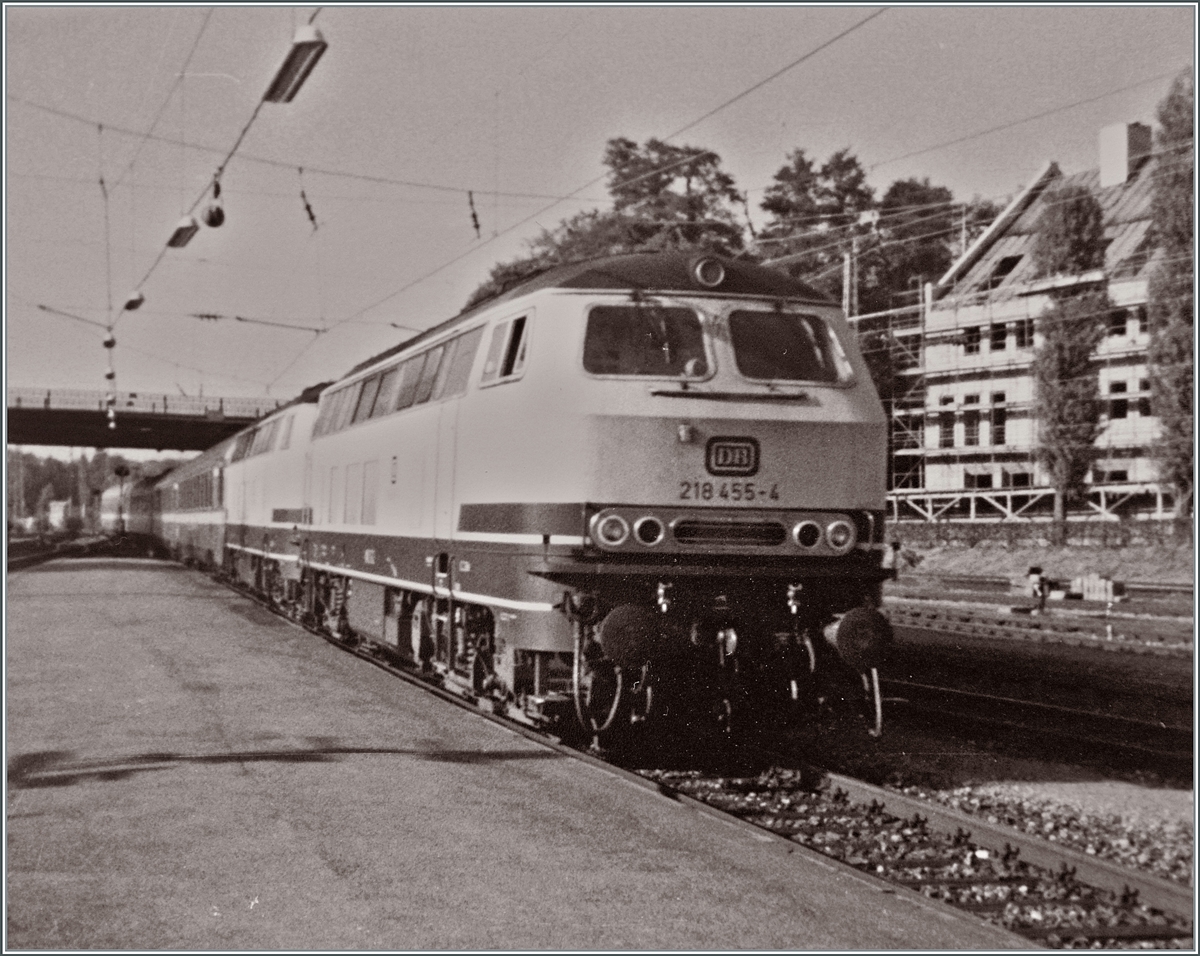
{"x": 506, "y": 354}
{"x": 645, "y": 340}
{"x": 786, "y": 346}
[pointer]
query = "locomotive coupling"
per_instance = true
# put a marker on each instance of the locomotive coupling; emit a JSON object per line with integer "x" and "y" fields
{"x": 861, "y": 638}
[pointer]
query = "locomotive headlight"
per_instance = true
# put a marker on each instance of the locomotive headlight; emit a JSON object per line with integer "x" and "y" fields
{"x": 807, "y": 534}
{"x": 648, "y": 530}
{"x": 840, "y": 535}
{"x": 611, "y": 530}
{"x": 708, "y": 272}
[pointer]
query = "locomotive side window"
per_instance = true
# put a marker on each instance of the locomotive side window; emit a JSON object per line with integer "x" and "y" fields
{"x": 514, "y": 355}
{"x": 643, "y": 340}
{"x": 264, "y": 438}
{"x": 433, "y": 359}
{"x": 410, "y": 377}
{"x": 370, "y": 388}
{"x": 321, "y": 425}
{"x": 286, "y": 440}
{"x": 241, "y": 446}
{"x": 492, "y": 365}
{"x": 786, "y": 346}
{"x": 456, "y": 366}
{"x": 346, "y": 408}
{"x": 385, "y": 398}
{"x": 506, "y": 353}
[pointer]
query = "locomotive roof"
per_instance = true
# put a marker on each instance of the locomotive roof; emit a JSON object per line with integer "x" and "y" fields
{"x": 663, "y": 272}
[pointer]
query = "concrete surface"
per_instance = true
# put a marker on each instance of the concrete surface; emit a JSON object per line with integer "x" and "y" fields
{"x": 187, "y": 771}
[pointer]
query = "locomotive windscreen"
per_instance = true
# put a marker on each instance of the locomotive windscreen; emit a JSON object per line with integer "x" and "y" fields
{"x": 643, "y": 340}
{"x": 787, "y": 346}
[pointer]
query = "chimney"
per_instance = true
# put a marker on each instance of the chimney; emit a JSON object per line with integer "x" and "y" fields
{"x": 1123, "y": 148}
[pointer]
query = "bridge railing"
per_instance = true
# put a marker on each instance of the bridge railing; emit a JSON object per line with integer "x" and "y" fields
{"x": 89, "y": 400}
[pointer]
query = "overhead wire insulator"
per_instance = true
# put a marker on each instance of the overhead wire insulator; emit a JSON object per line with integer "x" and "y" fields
{"x": 214, "y": 212}
{"x": 474, "y": 216}
{"x": 308, "y": 209}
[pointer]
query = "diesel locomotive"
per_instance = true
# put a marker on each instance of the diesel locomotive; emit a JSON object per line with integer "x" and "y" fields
{"x": 628, "y": 490}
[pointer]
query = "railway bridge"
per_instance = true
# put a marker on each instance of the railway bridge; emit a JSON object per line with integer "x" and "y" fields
{"x": 80, "y": 418}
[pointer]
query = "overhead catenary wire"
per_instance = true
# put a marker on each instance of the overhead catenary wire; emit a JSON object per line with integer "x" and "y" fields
{"x": 166, "y": 100}
{"x": 1026, "y": 119}
{"x": 318, "y": 10}
{"x": 290, "y": 164}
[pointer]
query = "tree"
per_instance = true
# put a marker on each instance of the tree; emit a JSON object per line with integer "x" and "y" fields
{"x": 1067, "y": 402}
{"x": 664, "y": 197}
{"x": 916, "y": 227}
{"x": 816, "y": 217}
{"x": 42, "y": 514}
{"x": 1171, "y": 306}
{"x": 678, "y": 196}
{"x": 1069, "y": 241}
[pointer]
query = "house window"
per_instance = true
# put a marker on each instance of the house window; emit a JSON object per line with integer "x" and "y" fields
{"x": 970, "y": 399}
{"x": 971, "y": 338}
{"x": 1108, "y": 476}
{"x": 1117, "y": 322}
{"x": 1016, "y": 479}
{"x": 999, "y": 336}
{"x": 971, "y": 427}
{"x": 1118, "y": 407}
{"x": 999, "y": 425}
{"x": 1143, "y": 403}
{"x": 1003, "y": 268}
{"x": 946, "y": 430}
{"x": 978, "y": 480}
{"x": 946, "y": 400}
{"x": 1024, "y": 333}
{"x": 1143, "y": 323}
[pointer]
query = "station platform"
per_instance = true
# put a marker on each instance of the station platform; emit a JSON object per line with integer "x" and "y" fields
{"x": 188, "y": 771}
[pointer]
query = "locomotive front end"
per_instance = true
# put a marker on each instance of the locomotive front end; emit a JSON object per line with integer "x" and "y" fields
{"x": 735, "y": 470}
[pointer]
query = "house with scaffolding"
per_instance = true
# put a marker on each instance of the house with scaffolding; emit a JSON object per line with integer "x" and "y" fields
{"x": 964, "y": 432}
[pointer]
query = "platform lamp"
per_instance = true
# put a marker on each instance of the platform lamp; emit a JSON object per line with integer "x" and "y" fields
{"x": 183, "y": 233}
{"x": 307, "y": 47}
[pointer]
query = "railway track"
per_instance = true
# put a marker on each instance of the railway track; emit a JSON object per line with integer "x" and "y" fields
{"x": 1046, "y": 893}
{"x": 1050, "y": 728}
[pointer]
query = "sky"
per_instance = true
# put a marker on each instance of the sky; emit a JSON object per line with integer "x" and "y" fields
{"x": 413, "y": 108}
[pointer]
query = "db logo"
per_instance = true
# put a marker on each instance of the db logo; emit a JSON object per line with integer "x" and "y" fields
{"x": 731, "y": 456}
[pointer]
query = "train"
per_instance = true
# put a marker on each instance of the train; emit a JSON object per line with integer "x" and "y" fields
{"x": 626, "y": 492}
